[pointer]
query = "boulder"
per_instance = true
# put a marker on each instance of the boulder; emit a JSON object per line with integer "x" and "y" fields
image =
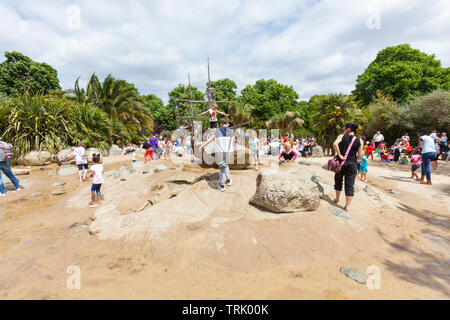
{"x": 105, "y": 153}
{"x": 115, "y": 150}
{"x": 90, "y": 152}
{"x": 67, "y": 170}
{"x": 289, "y": 191}
{"x": 241, "y": 156}
{"x": 21, "y": 172}
{"x": 318, "y": 152}
{"x": 65, "y": 157}
{"x": 37, "y": 158}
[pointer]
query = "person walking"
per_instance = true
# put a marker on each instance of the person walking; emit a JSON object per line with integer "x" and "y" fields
{"x": 224, "y": 152}
{"x": 426, "y": 143}
{"x": 81, "y": 160}
{"x": 6, "y": 154}
{"x": 349, "y": 149}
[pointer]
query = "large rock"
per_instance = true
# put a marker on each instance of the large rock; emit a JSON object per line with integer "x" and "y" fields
{"x": 290, "y": 191}
{"x": 65, "y": 157}
{"x": 67, "y": 170}
{"x": 37, "y": 158}
{"x": 21, "y": 172}
{"x": 318, "y": 152}
{"x": 241, "y": 156}
{"x": 115, "y": 150}
{"x": 90, "y": 152}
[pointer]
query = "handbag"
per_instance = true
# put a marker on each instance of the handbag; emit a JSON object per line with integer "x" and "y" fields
{"x": 334, "y": 164}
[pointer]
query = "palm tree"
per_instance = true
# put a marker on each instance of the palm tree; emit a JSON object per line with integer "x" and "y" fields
{"x": 119, "y": 99}
{"x": 335, "y": 110}
{"x": 286, "y": 122}
{"x": 240, "y": 113}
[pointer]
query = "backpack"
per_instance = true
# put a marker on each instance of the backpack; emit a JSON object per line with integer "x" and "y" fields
{"x": 6, "y": 151}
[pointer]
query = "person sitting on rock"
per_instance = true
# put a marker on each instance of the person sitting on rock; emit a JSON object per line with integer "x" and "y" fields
{"x": 288, "y": 154}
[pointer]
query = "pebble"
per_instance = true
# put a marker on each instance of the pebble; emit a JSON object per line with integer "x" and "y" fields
{"x": 59, "y": 184}
{"x": 395, "y": 192}
{"x": 35, "y": 195}
{"x": 193, "y": 227}
{"x": 354, "y": 274}
{"x": 59, "y": 192}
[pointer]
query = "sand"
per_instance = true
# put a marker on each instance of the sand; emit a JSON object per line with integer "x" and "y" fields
{"x": 234, "y": 251}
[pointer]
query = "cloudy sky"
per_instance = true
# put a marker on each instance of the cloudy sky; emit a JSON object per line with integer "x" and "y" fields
{"x": 316, "y": 46}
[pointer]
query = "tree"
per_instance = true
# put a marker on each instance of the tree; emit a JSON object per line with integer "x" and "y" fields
{"x": 121, "y": 102}
{"x": 335, "y": 110}
{"x": 181, "y": 108}
{"x": 286, "y": 122}
{"x": 401, "y": 72}
{"x": 19, "y": 74}
{"x": 163, "y": 116}
{"x": 225, "y": 89}
{"x": 430, "y": 111}
{"x": 240, "y": 113}
{"x": 383, "y": 114}
{"x": 269, "y": 98}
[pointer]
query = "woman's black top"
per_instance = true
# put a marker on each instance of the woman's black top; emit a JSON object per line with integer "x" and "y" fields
{"x": 343, "y": 146}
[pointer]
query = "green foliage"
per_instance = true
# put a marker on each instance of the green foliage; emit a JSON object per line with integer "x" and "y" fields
{"x": 37, "y": 122}
{"x": 181, "y": 108}
{"x": 163, "y": 116}
{"x": 401, "y": 72}
{"x": 121, "y": 102}
{"x": 19, "y": 74}
{"x": 240, "y": 113}
{"x": 268, "y": 98}
{"x": 90, "y": 124}
{"x": 286, "y": 122}
{"x": 431, "y": 111}
{"x": 334, "y": 111}
{"x": 225, "y": 89}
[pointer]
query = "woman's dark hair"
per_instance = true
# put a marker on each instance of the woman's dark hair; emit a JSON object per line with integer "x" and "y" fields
{"x": 96, "y": 158}
{"x": 352, "y": 126}
{"x": 423, "y": 132}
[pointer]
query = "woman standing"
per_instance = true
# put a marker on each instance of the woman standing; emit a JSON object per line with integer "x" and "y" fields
{"x": 349, "y": 149}
{"x": 426, "y": 143}
{"x": 254, "y": 147}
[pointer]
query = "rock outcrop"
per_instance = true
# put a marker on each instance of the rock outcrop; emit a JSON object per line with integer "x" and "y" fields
{"x": 115, "y": 150}
{"x": 37, "y": 158}
{"x": 65, "y": 156}
{"x": 241, "y": 156}
{"x": 291, "y": 191}
{"x": 318, "y": 152}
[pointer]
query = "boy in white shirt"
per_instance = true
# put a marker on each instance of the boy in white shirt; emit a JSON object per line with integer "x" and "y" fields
{"x": 81, "y": 160}
{"x": 97, "y": 181}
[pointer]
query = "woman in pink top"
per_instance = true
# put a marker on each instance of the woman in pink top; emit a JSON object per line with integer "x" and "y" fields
{"x": 416, "y": 162}
{"x": 288, "y": 154}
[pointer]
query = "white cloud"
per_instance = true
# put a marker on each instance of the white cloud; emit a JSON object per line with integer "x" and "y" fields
{"x": 315, "y": 46}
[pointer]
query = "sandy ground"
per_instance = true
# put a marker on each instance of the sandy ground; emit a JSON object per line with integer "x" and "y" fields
{"x": 260, "y": 256}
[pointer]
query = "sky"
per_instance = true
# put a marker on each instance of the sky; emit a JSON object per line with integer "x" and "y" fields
{"x": 316, "y": 46}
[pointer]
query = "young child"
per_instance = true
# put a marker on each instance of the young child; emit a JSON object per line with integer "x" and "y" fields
{"x": 363, "y": 168}
{"x": 416, "y": 163}
{"x": 288, "y": 154}
{"x": 369, "y": 151}
{"x": 133, "y": 155}
{"x": 97, "y": 180}
{"x": 403, "y": 160}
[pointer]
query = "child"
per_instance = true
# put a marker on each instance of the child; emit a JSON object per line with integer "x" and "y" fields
{"x": 97, "y": 181}
{"x": 369, "y": 151}
{"x": 404, "y": 160}
{"x": 224, "y": 152}
{"x": 363, "y": 168}
{"x": 384, "y": 156}
{"x": 416, "y": 163}
{"x": 133, "y": 155}
{"x": 81, "y": 161}
{"x": 288, "y": 154}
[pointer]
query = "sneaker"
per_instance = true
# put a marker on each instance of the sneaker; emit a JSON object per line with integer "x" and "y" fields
{"x": 2, "y": 194}
{"x": 221, "y": 187}
{"x": 229, "y": 182}
{"x": 19, "y": 189}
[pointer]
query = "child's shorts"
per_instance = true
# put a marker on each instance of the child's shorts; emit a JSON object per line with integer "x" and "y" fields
{"x": 415, "y": 167}
{"x": 81, "y": 166}
{"x": 96, "y": 188}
